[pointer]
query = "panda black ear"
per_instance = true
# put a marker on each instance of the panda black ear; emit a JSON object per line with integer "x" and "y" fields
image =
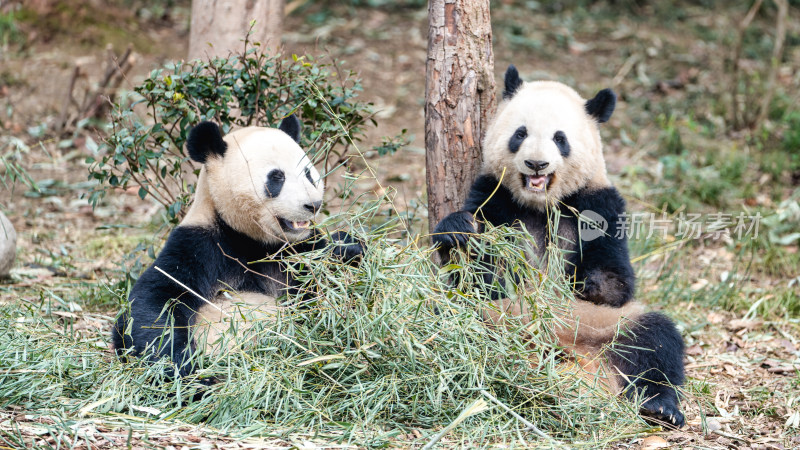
{"x": 205, "y": 140}
{"x": 602, "y": 105}
{"x": 512, "y": 81}
{"x": 291, "y": 126}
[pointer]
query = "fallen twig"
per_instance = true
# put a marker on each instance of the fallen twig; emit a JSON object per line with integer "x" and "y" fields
{"x": 94, "y": 98}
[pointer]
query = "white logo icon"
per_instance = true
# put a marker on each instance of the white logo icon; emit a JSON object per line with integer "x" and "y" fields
{"x": 591, "y": 225}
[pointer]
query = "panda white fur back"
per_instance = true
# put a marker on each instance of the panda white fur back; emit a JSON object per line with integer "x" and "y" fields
{"x": 256, "y": 198}
{"x": 543, "y": 153}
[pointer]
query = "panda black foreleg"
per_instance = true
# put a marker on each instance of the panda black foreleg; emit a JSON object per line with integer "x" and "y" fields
{"x": 453, "y": 232}
{"x": 160, "y": 332}
{"x": 650, "y": 355}
{"x": 155, "y": 326}
{"x": 167, "y": 336}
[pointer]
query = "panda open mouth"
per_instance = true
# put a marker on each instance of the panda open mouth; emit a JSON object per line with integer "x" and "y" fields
{"x": 288, "y": 225}
{"x": 536, "y": 183}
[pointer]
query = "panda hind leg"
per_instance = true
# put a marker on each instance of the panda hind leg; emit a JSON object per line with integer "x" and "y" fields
{"x": 650, "y": 355}
{"x": 148, "y": 330}
{"x": 120, "y": 341}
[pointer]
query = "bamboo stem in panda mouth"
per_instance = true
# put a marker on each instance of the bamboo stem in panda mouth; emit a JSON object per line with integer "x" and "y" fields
{"x": 188, "y": 289}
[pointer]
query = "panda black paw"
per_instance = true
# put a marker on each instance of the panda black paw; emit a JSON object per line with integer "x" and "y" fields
{"x": 454, "y": 231}
{"x": 663, "y": 409}
{"x": 346, "y": 247}
{"x": 603, "y": 287}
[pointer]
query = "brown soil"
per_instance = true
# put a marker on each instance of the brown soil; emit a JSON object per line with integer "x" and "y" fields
{"x": 742, "y": 363}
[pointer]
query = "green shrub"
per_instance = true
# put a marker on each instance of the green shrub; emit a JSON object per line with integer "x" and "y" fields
{"x": 146, "y": 145}
{"x": 791, "y": 138}
{"x": 10, "y": 33}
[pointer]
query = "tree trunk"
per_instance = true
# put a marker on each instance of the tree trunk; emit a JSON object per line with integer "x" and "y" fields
{"x": 459, "y": 100}
{"x": 219, "y": 26}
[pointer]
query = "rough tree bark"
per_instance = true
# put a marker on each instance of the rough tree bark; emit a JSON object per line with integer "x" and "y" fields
{"x": 224, "y": 24}
{"x": 459, "y": 100}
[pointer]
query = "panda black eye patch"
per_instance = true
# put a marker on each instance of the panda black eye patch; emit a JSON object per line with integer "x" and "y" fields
{"x": 275, "y": 180}
{"x": 308, "y": 176}
{"x": 516, "y": 139}
{"x": 562, "y": 143}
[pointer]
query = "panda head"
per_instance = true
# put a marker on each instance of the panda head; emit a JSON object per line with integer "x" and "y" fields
{"x": 544, "y": 140}
{"x": 258, "y": 180}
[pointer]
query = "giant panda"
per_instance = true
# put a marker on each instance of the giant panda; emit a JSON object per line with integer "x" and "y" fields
{"x": 542, "y": 153}
{"x": 256, "y": 197}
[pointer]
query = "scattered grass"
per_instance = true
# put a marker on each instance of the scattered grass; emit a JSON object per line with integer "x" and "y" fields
{"x": 400, "y": 353}
{"x": 368, "y": 353}
{"x": 112, "y": 245}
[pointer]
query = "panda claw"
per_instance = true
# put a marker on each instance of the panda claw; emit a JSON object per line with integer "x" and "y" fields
{"x": 663, "y": 412}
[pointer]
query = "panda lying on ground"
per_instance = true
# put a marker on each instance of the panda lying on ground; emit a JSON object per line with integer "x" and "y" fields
{"x": 543, "y": 151}
{"x": 255, "y": 198}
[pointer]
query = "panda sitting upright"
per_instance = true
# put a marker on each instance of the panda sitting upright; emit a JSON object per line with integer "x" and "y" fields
{"x": 542, "y": 152}
{"x": 255, "y": 198}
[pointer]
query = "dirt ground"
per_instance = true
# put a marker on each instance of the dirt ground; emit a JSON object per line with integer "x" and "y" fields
{"x": 745, "y": 372}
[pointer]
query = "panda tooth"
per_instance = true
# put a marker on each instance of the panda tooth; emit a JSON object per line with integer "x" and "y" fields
{"x": 536, "y": 182}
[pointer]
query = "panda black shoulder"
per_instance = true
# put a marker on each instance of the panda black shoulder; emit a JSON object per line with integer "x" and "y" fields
{"x": 495, "y": 201}
{"x": 482, "y": 188}
{"x": 190, "y": 255}
{"x": 604, "y": 201}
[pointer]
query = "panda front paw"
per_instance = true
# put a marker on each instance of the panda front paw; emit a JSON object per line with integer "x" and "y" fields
{"x": 603, "y": 287}
{"x": 454, "y": 231}
{"x": 346, "y": 247}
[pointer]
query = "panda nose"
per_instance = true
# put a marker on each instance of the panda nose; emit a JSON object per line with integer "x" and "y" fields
{"x": 313, "y": 207}
{"x": 536, "y": 165}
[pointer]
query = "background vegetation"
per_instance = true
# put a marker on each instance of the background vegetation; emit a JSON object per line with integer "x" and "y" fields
{"x": 693, "y": 135}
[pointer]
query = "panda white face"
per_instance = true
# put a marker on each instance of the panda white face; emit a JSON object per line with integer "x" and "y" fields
{"x": 544, "y": 142}
{"x": 258, "y": 180}
{"x": 265, "y": 186}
